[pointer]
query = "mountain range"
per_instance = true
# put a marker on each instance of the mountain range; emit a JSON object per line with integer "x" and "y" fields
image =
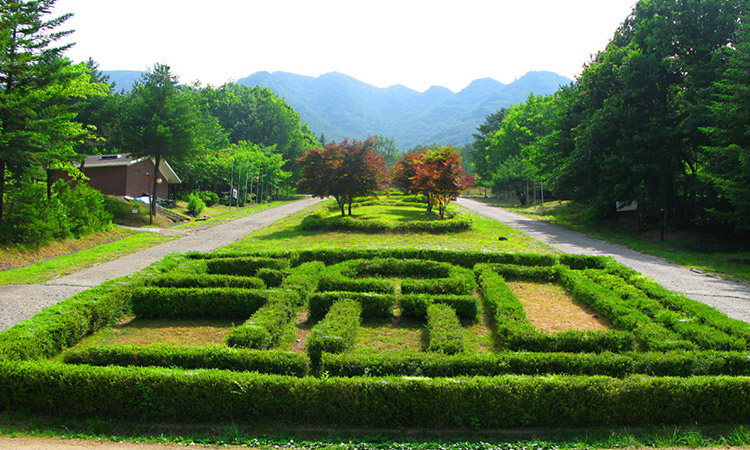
{"x": 340, "y": 106}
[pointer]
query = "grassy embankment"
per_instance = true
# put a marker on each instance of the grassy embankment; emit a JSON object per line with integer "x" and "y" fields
{"x": 32, "y": 266}
{"x": 724, "y": 257}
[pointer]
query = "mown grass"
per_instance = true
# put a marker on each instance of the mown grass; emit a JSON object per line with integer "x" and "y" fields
{"x": 287, "y": 234}
{"x": 178, "y": 332}
{"x": 66, "y": 264}
{"x": 224, "y": 214}
{"x": 725, "y": 257}
{"x": 247, "y": 436}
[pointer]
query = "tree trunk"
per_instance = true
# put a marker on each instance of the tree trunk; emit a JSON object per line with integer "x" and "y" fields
{"x": 350, "y": 207}
{"x": 340, "y": 201}
{"x": 2, "y": 188}
{"x": 49, "y": 184}
{"x": 153, "y": 190}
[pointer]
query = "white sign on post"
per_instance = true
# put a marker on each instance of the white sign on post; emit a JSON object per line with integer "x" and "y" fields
{"x": 625, "y": 206}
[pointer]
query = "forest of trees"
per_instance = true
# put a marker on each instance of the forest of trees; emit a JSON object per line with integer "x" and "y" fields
{"x": 54, "y": 113}
{"x": 660, "y": 117}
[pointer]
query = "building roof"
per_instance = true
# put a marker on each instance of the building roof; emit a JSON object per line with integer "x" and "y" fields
{"x": 124, "y": 159}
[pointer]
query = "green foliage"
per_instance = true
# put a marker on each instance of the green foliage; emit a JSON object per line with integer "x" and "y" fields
{"x": 515, "y": 332}
{"x": 268, "y": 326}
{"x": 195, "y": 205}
{"x": 243, "y": 266}
{"x": 336, "y": 332}
{"x": 444, "y": 330}
{"x": 372, "y": 305}
{"x": 32, "y": 219}
{"x": 198, "y": 303}
{"x": 64, "y": 324}
{"x": 674, "y": 364}
{"x": 467, "y": 307}
{"x": 210, "y": 357}
{"x": 203, "y": 280}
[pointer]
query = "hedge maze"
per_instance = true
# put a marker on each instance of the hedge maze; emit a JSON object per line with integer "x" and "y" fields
{"x": 666, "y": 359}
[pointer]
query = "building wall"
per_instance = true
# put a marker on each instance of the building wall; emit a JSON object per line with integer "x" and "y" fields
{"x": 107, "y": 180}
{"x": 140, "y": 179}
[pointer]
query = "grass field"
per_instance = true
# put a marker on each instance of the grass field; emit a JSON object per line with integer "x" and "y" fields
{"x": 485, "y": 235}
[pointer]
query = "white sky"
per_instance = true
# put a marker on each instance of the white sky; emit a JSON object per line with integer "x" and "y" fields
{"x": 383, "y": 42}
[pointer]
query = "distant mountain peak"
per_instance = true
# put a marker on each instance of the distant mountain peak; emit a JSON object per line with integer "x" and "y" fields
{"x": 340, "y": 106}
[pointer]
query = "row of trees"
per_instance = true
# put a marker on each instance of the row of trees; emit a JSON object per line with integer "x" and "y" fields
{"x": 659, "y": 117}
{"x": 54, "y": 113}
{"x": 354, "y": 168}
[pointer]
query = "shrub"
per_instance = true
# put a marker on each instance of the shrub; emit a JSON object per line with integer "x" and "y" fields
{"x": 268, "y": 326}
{"x": 64, "y": 324}
{"x": 515, "y": 332}
{"x": 244, "y": 266}
{"x": 208, "y": 197}
{"x": 195, "y": 205}
{"x": 444, "y": 330}
{"x": 373, "y": 305}
{"x": 272, "y": 277}
{"x": 206, "y": 357}
{"x": 198, "y": 303}
{"x": 83, "y": 207}
{"x": 197, "y": 396}
{"x": 336, "y": 332}
{"x": 203, "y": 280}
{"x": 415, "y": 305}
{"x": 304, "y": 278}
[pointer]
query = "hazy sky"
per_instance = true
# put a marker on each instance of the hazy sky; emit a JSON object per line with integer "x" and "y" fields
{"x": 411, "y": 42}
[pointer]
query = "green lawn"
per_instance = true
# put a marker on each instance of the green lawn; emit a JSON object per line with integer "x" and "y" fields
{"x": 66, "y": 264}
{"x": 287, "y": 234}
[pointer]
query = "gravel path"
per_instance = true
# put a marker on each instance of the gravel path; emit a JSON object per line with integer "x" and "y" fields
{"x": 730, "y": 297}
{"x": 20, "y": 301}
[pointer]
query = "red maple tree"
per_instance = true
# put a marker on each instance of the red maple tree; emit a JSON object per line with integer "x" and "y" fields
{"x": 343, "y": 171}
{"x": 440, "y": 177}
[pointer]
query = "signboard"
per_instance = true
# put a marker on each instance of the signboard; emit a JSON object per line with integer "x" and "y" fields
{"x": 625, "y": 206}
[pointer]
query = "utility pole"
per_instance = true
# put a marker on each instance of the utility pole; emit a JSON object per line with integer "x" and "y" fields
{"x": 231, "y": 185}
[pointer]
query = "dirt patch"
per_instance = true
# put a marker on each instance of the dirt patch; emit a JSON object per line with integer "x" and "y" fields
{"x": 302, "y": 332}
{"x": 183, "y": 332}
{"x": 550, "y": 309}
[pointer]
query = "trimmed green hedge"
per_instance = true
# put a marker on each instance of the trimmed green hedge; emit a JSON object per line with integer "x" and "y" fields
{"x": 337, "y": 331}
{"x": 203, "y": 280}
{"x": 271, "y": 277}
{"x": 466, "y": 306}
{"x": 515, "y": 332}
{"x": 158, "y": 394}
{"x": 444, "y": 330}
{"x": 199, "y": 303}
{"x": 677, "y": 364}
{"x": 373, "y": 305}
{"x": 467, "y": 259}
{"x": 244, "y": 266}
{"x": 207, "y": 357}
{"x": 304, "y": 278}
{"x": 64, "y": 324}
{"x": 269, "y": 325}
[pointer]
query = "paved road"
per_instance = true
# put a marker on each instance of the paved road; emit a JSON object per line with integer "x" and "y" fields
{"x": 19, "y": 302}
{"x": 732, "y": 298}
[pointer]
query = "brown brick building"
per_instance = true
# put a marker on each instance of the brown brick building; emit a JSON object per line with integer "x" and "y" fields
{"x": 122, "y": 176}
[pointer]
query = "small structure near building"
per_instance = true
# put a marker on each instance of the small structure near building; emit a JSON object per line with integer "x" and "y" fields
{"x": 122, "y": 176}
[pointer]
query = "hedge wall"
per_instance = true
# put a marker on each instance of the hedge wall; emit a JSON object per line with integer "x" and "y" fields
{"x": 158, "y": 394}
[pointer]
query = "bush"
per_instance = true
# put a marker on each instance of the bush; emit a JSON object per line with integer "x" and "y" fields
{"x": 195, "y": 205}
{"x": 203, "y": 280}
{"x": 64, "y": 324}
{"x": 272, "y": 277}
{"x": 675, "y": 364}
{"x": 515, "y": 332}
{"x": 444, "y": 330}
{"x": 268, "y": 326}
{"x": 244, "y": 266}
{"x": 373, "y": 305}
{"x": 466, "y": 306}
{"x": 207, "y": 357}
{"x": 304, "y": 278}
{"x": 198, "y": 303}
{"x": 336, "y": 332}
{"x": 197, "y": 396}
{"x": 208, "y": 197}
